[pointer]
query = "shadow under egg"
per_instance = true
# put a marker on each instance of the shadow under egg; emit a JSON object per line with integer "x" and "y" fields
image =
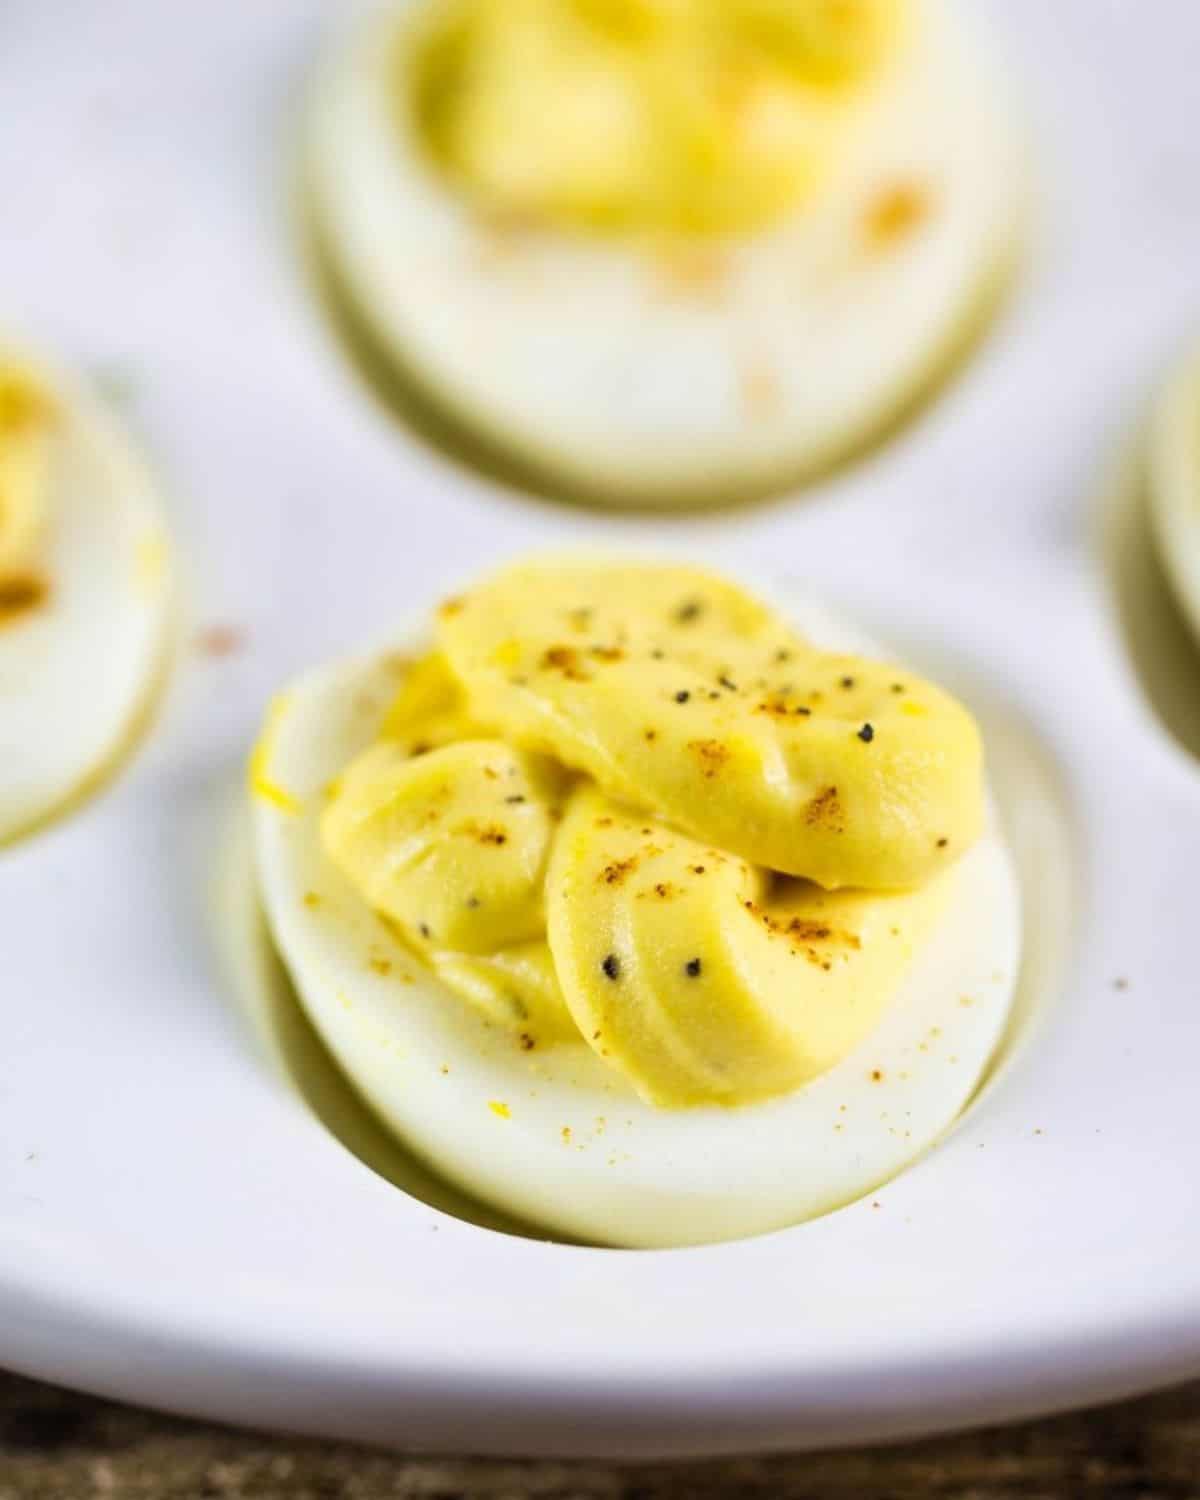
{"x": 1161, "y": 648}
{"x": 1034, "y": 808}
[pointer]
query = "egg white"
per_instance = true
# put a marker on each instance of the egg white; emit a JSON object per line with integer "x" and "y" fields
{"x": 1173, "y": 462}
{"x": 78, "y": 671}
{"x": 555, "y": 1136}
{"x": 570, "y": 352}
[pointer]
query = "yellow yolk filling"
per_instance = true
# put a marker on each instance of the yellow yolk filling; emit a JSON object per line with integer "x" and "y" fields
{"x": 677, "y": 692}
{"x": 703, "y": 979}
{"x": 27, "y": 416}
{"x": 685, "y": 836}
{"x": 668, "y": 116}
{"x": 450, "y": 846}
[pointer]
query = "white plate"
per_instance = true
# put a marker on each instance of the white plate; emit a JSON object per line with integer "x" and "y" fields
{"x": 178, "y": 1227}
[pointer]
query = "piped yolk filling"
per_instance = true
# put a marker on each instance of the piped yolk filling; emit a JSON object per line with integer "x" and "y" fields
{"x": 660, "y": 116}
{"x": 514, "y": 825}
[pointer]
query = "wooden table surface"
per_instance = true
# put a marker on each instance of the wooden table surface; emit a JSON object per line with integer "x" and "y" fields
{"x": 60, "y": 1445}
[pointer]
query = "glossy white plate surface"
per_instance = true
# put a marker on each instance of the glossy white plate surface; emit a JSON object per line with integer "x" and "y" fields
{"x": 178, "y": 1227}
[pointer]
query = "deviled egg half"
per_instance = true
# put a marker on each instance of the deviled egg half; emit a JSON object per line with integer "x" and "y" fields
{"x": 84, "y": 593}
{"x": 667, "y": 250}
{"x": 634, "y": 910}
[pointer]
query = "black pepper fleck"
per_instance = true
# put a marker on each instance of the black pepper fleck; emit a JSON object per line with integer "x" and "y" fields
{"x": 423, "y": 929}
{"x": 692, "y": 968}
{"x": 514, "y": 801}
{"x": 847, "y": 682}
{"x": 682, "y": 695}
{"x": 728, "y": 683}
{"x": 611, "y": 966}
{"x": 688, "y": 611}
{"x": 866, "y": 734}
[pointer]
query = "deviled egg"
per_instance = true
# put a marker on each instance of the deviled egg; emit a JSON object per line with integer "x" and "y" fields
{"x": 668, "y": 250}
{"x": 633, "y": 909}
{"x": 84, "y": 593}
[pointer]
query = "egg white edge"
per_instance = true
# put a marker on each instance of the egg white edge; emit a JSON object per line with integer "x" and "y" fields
{"x": 34, "y": 651}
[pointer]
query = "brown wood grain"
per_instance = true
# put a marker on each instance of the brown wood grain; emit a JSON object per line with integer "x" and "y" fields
{"x": 57, "y": 1444}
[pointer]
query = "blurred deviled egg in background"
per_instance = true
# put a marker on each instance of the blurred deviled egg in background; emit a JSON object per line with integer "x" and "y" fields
{"x": 667, "y": 251}
{"x": 84, "y": 594}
